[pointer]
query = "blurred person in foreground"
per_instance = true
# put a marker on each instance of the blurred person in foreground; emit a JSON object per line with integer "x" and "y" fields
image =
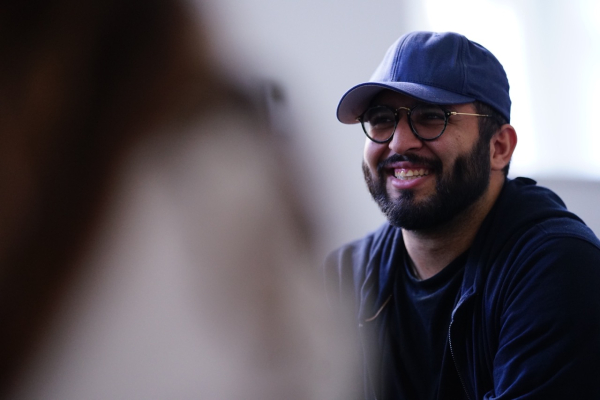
{"x": 149, "y": 249}
{"x": 478, "y": 286}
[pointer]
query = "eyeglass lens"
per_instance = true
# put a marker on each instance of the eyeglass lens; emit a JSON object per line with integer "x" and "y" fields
{"x": 426, "y": 120}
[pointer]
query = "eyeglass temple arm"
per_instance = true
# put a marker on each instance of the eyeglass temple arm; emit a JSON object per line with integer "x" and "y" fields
{"x": 474, "y": 115}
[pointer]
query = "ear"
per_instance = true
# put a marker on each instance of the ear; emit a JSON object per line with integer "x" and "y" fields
{"x": 502, "y": 146}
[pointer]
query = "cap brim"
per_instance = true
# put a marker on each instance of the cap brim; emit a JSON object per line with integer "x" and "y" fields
{"x": 357, "y": 99}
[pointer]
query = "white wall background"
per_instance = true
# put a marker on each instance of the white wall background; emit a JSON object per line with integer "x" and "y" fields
{"x": 317, "y": 49}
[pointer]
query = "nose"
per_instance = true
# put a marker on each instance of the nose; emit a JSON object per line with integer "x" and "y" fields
{"x": 404, "y": 139}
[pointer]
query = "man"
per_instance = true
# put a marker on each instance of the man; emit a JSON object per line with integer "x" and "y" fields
{"x": 479, "y": 286}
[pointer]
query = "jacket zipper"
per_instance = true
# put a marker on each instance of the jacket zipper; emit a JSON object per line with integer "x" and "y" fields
{"x": 462, "y": 382}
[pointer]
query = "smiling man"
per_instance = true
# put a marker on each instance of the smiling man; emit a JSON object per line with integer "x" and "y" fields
{"x": 478, "y": 286}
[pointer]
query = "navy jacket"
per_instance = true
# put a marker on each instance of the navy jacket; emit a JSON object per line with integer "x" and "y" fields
{"x": 526, "y": 324}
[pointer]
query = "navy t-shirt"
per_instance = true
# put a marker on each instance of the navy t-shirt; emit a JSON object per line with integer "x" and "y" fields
{"x": 417, "y": 332}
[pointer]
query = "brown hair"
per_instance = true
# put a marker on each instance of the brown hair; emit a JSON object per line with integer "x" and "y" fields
{"x": 80, "y": 82}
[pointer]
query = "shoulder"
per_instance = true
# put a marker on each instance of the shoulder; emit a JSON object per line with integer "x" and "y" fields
{"x": 555, "y": 248}
{"x": 551, "y": 274}
{"x": 545, "y": 313}
{"x": 559, "y": 239}
{"x": 353, "y": 256}
{"x": 345, "y": 269}
{"x": 534, "y": 246}
{"x": 529, "y": 221}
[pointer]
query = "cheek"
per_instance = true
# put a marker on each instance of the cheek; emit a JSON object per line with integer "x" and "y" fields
{"x": 372, "y": 154}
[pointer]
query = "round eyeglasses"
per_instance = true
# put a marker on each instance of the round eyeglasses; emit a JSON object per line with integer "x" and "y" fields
{"x": 427, "y": 121}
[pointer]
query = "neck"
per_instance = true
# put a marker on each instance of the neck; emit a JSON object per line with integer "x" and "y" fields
{"x": 432, "y": 250}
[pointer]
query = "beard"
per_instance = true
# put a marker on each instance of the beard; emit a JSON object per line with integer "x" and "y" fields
{"x": 455, "y": 190}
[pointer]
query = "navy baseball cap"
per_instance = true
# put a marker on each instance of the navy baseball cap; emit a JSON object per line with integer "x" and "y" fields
{"x": 437, "y": 68}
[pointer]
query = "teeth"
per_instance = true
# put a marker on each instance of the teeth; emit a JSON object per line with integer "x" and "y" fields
{"x": 404, "y": 174}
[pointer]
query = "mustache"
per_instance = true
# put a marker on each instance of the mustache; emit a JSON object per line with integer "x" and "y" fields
{"x": 434, "y": 164}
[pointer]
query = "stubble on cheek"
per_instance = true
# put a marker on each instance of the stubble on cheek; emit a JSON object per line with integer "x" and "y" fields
{"x": 370, "y": 180}
{"x": 378, "y": 186}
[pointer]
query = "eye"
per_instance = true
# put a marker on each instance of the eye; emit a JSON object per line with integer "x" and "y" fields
{"x": 428, "y": 115}
{"x": 379, "y": 118}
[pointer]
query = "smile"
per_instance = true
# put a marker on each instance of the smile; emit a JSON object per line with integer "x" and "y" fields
{"x": 407, "y": 174}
